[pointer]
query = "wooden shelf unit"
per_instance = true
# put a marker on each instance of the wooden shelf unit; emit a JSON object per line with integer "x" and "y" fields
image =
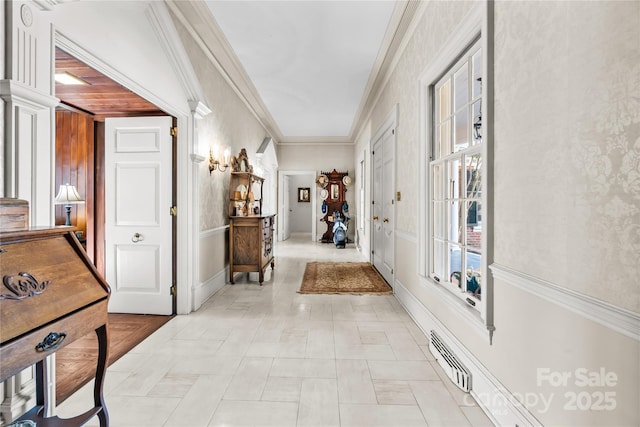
{"x": 250, "y": 232}
{"x": 252, "y": 184}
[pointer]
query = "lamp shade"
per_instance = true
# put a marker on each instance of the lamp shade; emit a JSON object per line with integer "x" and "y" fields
{"x": 68, "y": 195}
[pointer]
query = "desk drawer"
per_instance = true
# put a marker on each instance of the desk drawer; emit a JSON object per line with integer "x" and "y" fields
{"x": 22, "y": 352}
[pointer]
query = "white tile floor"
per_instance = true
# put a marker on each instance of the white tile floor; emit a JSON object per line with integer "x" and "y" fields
{"x": 268, "y": 356}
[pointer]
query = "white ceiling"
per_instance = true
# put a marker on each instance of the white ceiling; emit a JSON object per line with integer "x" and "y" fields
{"x": 310, "y": 61}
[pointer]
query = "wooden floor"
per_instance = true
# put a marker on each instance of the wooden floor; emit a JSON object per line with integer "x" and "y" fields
{"x": 76, "y": 363}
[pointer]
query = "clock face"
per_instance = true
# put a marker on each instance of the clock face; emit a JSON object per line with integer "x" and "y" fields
{"x": 26, "y": 15}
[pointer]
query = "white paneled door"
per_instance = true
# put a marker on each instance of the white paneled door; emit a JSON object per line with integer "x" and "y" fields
{"x": 138, "y": 229}
{"x": 383, "y": 218}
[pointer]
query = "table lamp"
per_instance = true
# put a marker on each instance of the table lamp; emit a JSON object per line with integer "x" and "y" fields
{"x": 67, "y": 196}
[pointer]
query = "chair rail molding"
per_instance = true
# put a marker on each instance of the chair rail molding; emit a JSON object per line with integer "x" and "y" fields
{"x": 611, "y": 316}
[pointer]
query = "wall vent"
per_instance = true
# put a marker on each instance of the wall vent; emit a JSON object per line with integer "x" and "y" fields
{"x": 449, "y": 362}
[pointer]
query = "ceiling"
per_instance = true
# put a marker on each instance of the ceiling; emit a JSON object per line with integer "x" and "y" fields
{"x": 102, "y": 96}
{"x": 310, "y": 61}
{"x": 311, "y": 64}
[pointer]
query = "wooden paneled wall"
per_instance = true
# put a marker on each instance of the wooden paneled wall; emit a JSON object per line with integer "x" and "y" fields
{"x": 75, "y": 164}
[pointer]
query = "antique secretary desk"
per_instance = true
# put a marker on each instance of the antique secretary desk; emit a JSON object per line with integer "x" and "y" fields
{"x": 50, "y": 296}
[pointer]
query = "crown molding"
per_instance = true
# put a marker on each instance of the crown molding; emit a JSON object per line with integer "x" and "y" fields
{"x": 401, "y": 28}
{"x": 203, "y": 28}
{"x": 205, "y": 31}
{"x": 316, "y": 140}
{"x": 48, "y": 5}
{"x": 163, "y": 25}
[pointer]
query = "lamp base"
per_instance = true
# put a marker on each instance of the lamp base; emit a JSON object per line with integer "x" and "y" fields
{"x": 68, "y": 211}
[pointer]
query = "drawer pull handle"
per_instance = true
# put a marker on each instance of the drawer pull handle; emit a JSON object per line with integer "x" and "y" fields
{"x": 51, "y": 341}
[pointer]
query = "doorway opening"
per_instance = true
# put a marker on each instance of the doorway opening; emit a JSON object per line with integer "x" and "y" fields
{"x": 297, "y": 205}
{"x": 80, "y": 160}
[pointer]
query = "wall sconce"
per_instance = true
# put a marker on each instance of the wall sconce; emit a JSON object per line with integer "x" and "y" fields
{"x": 67, "y": 196}
{"x": 214, "y": 164}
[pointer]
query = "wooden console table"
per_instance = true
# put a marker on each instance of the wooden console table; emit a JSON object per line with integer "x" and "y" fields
{"x": 50, "y": 296}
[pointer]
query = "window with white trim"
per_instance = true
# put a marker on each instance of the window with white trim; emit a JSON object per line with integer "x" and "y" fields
{"x": 456, "y": 179}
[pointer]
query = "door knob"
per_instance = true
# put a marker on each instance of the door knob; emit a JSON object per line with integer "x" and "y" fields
{"x": 375, "y": 218}
{"x": 385, "y": 220}
{"x": 137, "y": 238}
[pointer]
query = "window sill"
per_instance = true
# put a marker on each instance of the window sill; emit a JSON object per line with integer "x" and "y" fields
{"x": 467, "y": 314}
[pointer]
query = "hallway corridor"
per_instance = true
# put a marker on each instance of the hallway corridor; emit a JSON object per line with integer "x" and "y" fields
{"x": 267, "y": 355}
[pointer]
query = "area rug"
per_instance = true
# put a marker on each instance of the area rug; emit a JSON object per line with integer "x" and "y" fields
{"x": 343, "y": 278}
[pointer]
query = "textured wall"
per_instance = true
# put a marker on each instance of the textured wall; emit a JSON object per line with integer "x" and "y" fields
{"x": 567, "y": 145}
{"x": 567, "y": 191}
{"x": 230, "y": 124}
{"x": 402, "y": 89}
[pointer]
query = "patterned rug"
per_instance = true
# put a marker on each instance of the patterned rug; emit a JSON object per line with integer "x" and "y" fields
{"x": 343, "y": 278}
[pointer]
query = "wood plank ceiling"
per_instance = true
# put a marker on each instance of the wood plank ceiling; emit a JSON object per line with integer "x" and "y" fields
{"x": 102, "y": 97}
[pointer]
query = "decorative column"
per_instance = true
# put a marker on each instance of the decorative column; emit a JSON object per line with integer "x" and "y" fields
{"x": 29, "y": 108}
{"x": 27, "y": 143}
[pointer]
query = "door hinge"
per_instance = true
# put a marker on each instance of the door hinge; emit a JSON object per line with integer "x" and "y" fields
{"x": 393, "y": 131}
{"x": 372, "y": 252}
{"x": 392, "y": 271}
{"x": 173, "y": 211}
{"x": 173, "y": 289}
{"x": 173, "y": 131}
{"x": 373, "y": 202}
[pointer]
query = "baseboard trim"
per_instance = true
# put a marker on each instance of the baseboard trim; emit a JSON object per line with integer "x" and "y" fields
{"x": 204, "y": 290}
{"x": 611, "y": 316}
{"x": 495, "y": 400}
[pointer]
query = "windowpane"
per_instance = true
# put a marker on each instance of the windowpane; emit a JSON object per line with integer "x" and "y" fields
{"x": 438, "y": 259}
{"x": 474, "y": 176}
{"x": 444, "y": 100}
{"x": 474, "y": 226}
{"x": 455, "y": 260}
{"x": 473, "y": 220}
{"x": 461, "y": 86}
{"x": 474, "y": 277}
{"x": 461, "y": 127}
{"x": 454, "y": 178}
{"x": 438, "y": 220}
{"x": 455, "y": 221}
{"x": 444, "y": 138}
{"x": 476, "y": 127}
{"x": 438, "y": 178}
{"x": 477, "y": 74}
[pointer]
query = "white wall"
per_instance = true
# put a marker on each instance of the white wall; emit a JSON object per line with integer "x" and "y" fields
{"x": 321, "y": 158}
{"x": 230, "y": 125}
{"x": 120, "y": 34}
{"x": 300, "y": 215}
{"x": 115, "y": 35}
